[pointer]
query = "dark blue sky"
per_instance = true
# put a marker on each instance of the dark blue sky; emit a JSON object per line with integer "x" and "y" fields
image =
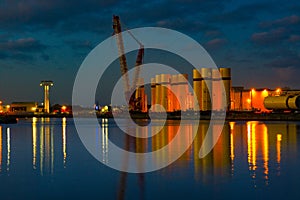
{"x": 48, "y": 39}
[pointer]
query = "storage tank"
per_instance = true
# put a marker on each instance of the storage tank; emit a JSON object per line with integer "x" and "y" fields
{"x": 175, "y": 91}
{"x": 226, "y": 78}
{"x": 294, "y": 103}
{"x": 153, "y": 85}
{"x": 158, "y": 92}
{"x": 206, "y": 87}
{"x": 165, "y": 91}
{"x": 277, "y": 102}
{"x": 197, "y": 88}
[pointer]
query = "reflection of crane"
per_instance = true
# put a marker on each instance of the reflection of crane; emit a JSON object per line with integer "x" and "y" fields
{"x": 133, "y": 102}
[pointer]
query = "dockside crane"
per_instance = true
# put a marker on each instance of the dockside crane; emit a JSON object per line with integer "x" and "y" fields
{"x": 133, "y": 102}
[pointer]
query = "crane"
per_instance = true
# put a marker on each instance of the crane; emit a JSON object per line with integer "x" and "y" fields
{"x": 134, "y": 104}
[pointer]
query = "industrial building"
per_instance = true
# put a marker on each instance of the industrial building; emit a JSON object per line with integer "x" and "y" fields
{"x": 264, "y": 100}
{"x": 24, "y": 107}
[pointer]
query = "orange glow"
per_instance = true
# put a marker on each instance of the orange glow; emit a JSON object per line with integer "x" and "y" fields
{"x": 253, "y": 91}
{"x": 251, "y": 141}
{"x": 266, "y": 151}
{"x": 265, "y": 93}
{"x": 249, "y": 101}
{"x": 278, "y": 148}
{"x": 278, "y": 91}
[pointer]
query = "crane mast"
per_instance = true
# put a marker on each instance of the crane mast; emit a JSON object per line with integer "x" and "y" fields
{"x": 134, "y": 103}
{"x": 122, "y": 57}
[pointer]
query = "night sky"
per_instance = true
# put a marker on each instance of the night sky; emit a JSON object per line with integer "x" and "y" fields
{"x": 49, "y": 39}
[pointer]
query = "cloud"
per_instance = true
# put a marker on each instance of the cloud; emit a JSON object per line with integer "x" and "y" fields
{"x": 270, "y": 37}
{"x": 286, "y": 21}
{"x": 287, "y": 60}
{"x": 215, "y": 43}
{"x": 22, "y": 45}
{"x": 80, "y": 44}
{"x": 241, "y": 14}
{"x": 24, "y": 12}
{"x": 294, "y": 38}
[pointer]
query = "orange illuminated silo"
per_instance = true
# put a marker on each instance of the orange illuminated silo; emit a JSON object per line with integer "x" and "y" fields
{"x": 158, "y": 92}
{"x": 165, "y": 88}
{"x": 197, "y": 88}
{"x": 183, "y": 90}
{"x": 226, "y": 78}
{"x": 190, "y": 101}
{"x": 153, "y": 88}
{"x": 174, "y": 87}
{"x": 216, "y": 101}
{"x": 206, "y": 87}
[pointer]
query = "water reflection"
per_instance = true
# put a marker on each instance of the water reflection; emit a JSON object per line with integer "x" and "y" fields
{"x": 255, "y": 148}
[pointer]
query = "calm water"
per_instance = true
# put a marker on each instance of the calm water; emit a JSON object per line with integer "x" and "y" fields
{"x": 44, "y": 158}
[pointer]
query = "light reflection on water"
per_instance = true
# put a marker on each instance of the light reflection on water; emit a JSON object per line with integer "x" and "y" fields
{"x": 247, "y": 153}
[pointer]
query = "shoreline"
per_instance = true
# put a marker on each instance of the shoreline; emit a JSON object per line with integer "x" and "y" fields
{"x": 230, "y": 116}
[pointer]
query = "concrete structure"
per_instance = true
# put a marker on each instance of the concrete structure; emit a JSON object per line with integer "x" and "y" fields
{"x": 206, "y": 86}
{"x": 226, "y": 80}
{"x": 197, "y": 89}
{"x": 153, "y": 94}
{"x": 46, "y": 85}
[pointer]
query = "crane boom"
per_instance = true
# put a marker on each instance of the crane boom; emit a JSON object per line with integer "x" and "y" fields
{"x": 132, "y": 100}
{"x": 122, "y": 57}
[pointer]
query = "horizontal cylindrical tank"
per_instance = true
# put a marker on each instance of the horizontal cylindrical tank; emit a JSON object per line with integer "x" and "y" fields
{"x": 282, "y": 102}
{"x": 294, "y": 102}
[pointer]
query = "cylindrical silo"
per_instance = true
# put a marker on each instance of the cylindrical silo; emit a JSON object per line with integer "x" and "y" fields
{"x": 174, "y": 99}
{"x": 153, "y": 88}
{"x": 206, "y": 87}
{"x": 226, "y": 78}
{"x": 165, "y": 87}
{"x": 217, "y": 100}
{"x": 183, "y": 90}
{"x": 158, "y": 92}
{"x": 197, "y": 88}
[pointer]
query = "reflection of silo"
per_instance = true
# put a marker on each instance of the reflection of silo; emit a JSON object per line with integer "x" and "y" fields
{"x": 157, "y": 92}
{"x": 153, "y": 94}
{"x": 183, "y": 91}
{"x": 206, "y": 87}
{"x": 197, "y": 88}
{"x": 165, "y": 91}
{"x": 174, "y": 88}
{"x": 216, "y": 90}
{"x": 226, "y": 77}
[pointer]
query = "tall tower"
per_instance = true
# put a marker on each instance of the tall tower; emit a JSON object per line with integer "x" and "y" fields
{"x": 46, "y": 85}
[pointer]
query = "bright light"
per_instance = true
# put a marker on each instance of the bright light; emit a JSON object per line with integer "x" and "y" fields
{"x": 0, "y": 102}
{"x": 248, "y": 100}
{"x": 33, "y": 108}
{"x": 64, "y": 107}
{"x": 279, "y": 137}
{"x": 265, "y": 93}
{"x": 8, "y": 106}
{"x": 253, "y": 91}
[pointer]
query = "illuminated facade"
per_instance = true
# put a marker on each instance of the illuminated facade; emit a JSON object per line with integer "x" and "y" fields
{"x": 24, "y": 107}
{"x": 248, "y": 99}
